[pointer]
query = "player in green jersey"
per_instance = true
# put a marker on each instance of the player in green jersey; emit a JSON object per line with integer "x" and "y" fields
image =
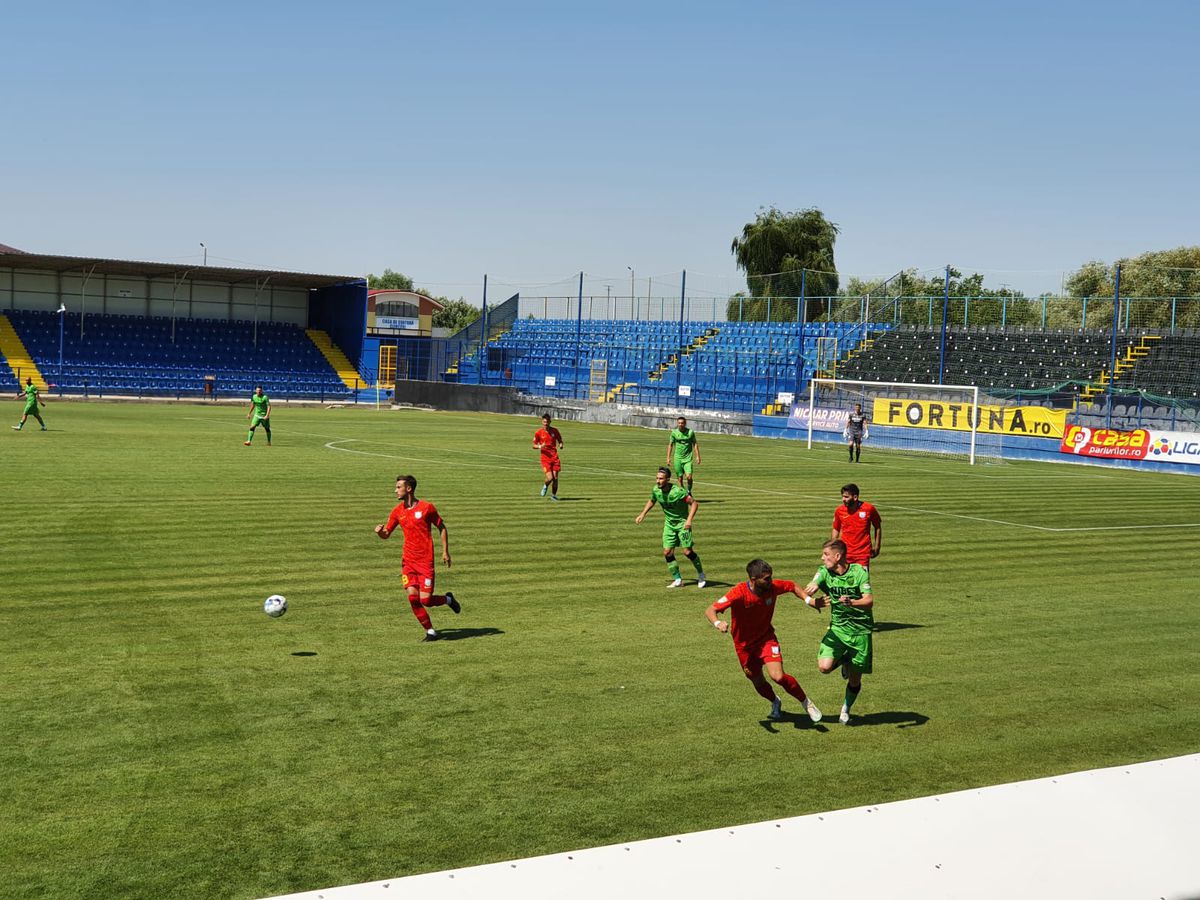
{"x": 847, "y": 588}
{"x": 683, "y": 448}
{"x": 260, "y": 414}
{"x": 30, "y": 393}
{"x": 679, "y": 509}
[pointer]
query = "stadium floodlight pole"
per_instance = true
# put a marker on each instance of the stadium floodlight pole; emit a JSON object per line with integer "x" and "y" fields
{"x": 945, "y": 318}
{"x": 632, "y": 296}
{"x": 205, "y": 249}
{"x": 62, "y": 309}
{"x": 483, "y": 334}
{"x": 1112, "y": 368}
{"x": 801, "y": 318}
{"x": 83, "y": 296}
{"x": 578, "y": 337}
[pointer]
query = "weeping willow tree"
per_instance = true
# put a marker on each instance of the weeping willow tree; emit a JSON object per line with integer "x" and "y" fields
{"x": 779, "y": 251}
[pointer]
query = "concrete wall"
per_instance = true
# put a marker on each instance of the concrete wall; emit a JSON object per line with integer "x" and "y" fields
{"x": 486, "y": 398}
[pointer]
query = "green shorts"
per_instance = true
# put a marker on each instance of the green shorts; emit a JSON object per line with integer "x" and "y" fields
{"x": 839, "y": 644}
{"x": 682, "y": 468}
{"x": 260, "y": 420}
{"x": 30, "y": 410}
{"x": 677, "y": 537}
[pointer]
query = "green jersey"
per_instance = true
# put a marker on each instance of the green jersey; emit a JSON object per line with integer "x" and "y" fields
{"x": 674, "y": 504}
{"x": 31, "y": 396}
{"x": 261, "y": 404}
{"x": 854, "y": 583}
{"x": 682, "y": 443}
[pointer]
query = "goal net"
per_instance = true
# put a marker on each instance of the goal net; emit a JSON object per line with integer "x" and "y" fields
{"x": 922, "y": 418}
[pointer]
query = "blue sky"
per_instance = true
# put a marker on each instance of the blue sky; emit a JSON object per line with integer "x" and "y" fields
{"x": 530, "y": 141}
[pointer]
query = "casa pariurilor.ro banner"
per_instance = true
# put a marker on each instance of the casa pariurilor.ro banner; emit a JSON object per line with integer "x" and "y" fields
{"x": 1141, "y": 443}
{"x": 1026, "y": 421}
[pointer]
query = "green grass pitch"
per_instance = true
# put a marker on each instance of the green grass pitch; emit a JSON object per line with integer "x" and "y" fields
{"x": 164, "y": 738}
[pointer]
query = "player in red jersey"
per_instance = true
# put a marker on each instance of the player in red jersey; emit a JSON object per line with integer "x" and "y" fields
{"x": 416, "y": 518}
{"x": 856, "y": 523}
{"x": 548, "y": 440}
{"x": 751, "y": 605}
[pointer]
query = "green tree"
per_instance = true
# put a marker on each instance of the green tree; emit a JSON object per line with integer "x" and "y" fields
{"x": 455, "y": 314}
{"x": 390, "y": 281}
{"x": 778, "y": 251}
{"x": 1161, "y": 277}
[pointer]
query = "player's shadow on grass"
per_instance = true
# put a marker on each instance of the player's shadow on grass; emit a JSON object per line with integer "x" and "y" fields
{"x": 462, "y": 634}
{"x": 707, "y": 500}
{"x": 714, "y": 584}
{"x": 796, "y": 720}
{"x": 892, "y": 717}
{"x": 304, "y": 653}
{"x": 574, "y": 499}
{"x": 896, "y": 626}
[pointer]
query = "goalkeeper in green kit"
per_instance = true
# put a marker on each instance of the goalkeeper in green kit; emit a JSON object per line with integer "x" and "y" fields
{"x": 847, "y": 643}
{"x": 260, "y": 414}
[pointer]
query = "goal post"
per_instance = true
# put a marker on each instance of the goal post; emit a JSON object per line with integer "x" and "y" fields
{"x": 924, "y": 418}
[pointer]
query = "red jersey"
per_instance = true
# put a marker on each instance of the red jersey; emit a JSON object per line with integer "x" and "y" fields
{"x": 418, "y": 543}
{"x": 854, "y": 529}
{"x": 549, "y": 438}
{"x": 749, "y": 614}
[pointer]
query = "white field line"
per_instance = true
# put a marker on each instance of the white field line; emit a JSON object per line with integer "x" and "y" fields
{"x": 733, "y": 487}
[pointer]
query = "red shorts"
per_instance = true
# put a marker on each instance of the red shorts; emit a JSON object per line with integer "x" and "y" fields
{"x": 864, "y": 561}
{"x": 753, "y": 656}
{"x": 422, "y": 581}
{"x": 551, "y": 465}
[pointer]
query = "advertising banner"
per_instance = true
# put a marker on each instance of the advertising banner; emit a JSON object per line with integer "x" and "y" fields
{"x": 1026, "y": 421}
{"x": 823, "y": 419}
{"x": 1141, "y": 443}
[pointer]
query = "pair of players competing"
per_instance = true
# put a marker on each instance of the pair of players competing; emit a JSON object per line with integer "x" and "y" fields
{"x": 842, "y": 582}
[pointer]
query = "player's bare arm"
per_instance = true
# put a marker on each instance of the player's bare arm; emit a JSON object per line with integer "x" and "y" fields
{"x": 642, "y": 515}
{"x": 696, "y": 450}
{"x": 878, "y": 543}
{"x": 692, "y": 507}
{"x": 866, "y": 601}
{"x": 382, "y": 531}
{"x": 445, "y": 534}
{"x": 814, "y": 598}
{"x": 720, "y": 624}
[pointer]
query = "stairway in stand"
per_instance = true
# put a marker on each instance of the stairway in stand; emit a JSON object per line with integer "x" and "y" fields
{"x": 337, "y": 359}
{"x": 18, "y": 357}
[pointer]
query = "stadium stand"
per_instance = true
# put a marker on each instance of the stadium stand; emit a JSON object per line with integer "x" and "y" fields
{"x": 737, "y": 366}
{"x": 118, "y": 354}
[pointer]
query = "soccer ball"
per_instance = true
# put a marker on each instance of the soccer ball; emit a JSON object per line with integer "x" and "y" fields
{"x": 275, "y": 605}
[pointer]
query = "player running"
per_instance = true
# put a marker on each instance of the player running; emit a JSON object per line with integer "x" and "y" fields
{"x": 850, "y": 601}
{"x": 682, "y": 446}
{"x": 547, "y": 439}
{"x": 416, "y": 518}
{"x": 856, "y": 430}
{"x": 30, "y": 393}
{"x": 679, "y": 509}
{"x": 857, "y": 524}
{"x": 751, "y": 605}
{"x": 260, "y": 414}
